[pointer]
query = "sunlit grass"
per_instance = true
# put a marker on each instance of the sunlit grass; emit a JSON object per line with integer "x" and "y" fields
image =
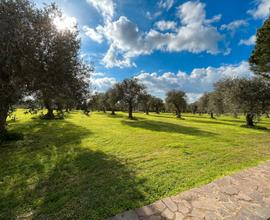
{"x": 95, "y": 167}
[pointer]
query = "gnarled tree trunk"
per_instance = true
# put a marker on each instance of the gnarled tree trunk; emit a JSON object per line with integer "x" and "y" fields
{"x": 249, "y": 120}
{"x": 130, "y": 111}
{"x": 113, "y": 112}
{"x": 212, "y": 115}
{"x": 48, "y": 106}
{"x": 3, "y": 118}
{"x": 178, "y": 113}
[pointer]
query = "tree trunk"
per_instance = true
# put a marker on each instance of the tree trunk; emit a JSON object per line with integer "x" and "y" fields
{"x": 48, "y": 106}
{"x": 212, "y": 115}
{"x": 249, "y": 120}
{"x": 267, "y": 115}
{"x": 157, "y": 110}
{"x": 147, "y": 111}
{"x": 113, "y": 112}
{"x": 178, "y": 114}
{"x": 130, "y": 111}
{"x": 3, "y": 119}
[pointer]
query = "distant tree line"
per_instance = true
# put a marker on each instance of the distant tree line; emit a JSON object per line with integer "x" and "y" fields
{"x": 129, "y": 95}
{"x": 250, "y": 97}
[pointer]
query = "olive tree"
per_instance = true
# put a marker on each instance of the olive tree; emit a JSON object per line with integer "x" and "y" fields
{"x": 129, "y": 92}
{"x": 18, "y": 20}
{"x": 177, "y": 100}
{"x": 260, "y": 58}
{"x": 250, "y": 96}
{"x": 157, "y": 104}
{"x": 215, "y": 104}
{"x": 145, "y": 99}
{"x": 61, "y": 76}
{"x": 112, "y": 98}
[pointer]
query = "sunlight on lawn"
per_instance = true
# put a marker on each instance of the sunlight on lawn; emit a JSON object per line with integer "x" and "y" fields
{"x": 101, "y": 165}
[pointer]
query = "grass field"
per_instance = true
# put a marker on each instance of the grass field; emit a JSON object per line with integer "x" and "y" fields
{"x": 95, "y": 167}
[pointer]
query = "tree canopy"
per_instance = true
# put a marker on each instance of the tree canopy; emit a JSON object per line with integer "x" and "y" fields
{"x": 37, "y": 60}
{"x": 260, "y": 57}
{"x": 176, "y": 99}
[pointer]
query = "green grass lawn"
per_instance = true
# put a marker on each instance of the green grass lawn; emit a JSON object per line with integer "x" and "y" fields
{"x": 95, "y": 167}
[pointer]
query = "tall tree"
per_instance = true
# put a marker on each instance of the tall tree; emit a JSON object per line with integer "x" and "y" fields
{"x": 157, "y": 104}
{"x": 129, "y": 91}
{"x": 215, "y": 104}
{"x": 61, "y": 75}
{"x": 260, "y": 57}
{"x": 112, "y": 96}
{"x": 247, "y": 95}
{"x": 203, "y": 103}
{"x": 145, "y": 99}
{"x": 18, "y": 20}
{"x": 176, "y": 99}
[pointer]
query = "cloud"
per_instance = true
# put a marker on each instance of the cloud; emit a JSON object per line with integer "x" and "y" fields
{"x": 151, "y": 16}
{"x": 165, "y": 4}
{"x": 248, "y": 42}
{"x": 94, "y": 34}
{"x": 234, "y": 25}
{"x": 114, "y": 59}
{"x": 261, "y": 11}
{"x": 165, "y": 25}
{"x": 197, "y": 82}
{"x": 102, "y": 84}
{"x": 105, "y": 7}
{"x": 195, "y": 34}
{"x": 216, "y": 18}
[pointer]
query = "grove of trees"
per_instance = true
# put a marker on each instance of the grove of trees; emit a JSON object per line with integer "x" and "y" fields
{"x": 250, "y": 97}
{"x": 40, "y": 65}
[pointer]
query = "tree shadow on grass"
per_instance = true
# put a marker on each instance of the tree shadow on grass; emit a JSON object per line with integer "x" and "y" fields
{"x": 212, "y": 121}
{"x": 167, "y": 127}
{"x": 49, "y": 175}
{"x": 124, "y": 116}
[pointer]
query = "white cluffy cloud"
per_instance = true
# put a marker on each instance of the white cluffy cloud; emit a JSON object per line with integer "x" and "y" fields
{"x": 196, "y": 34}
{"x": 262, "y": 9}
{"x": 101, "y": 84}
{"x": 234, "y": 25}
{"x": 194, "y": 84}
{"x": 248, "y": 42}
{"x": 94, "y": 34}
{"x": 166, "y": 4}
{"x": 165, "y": 25}
{"x": 105, "y": 7}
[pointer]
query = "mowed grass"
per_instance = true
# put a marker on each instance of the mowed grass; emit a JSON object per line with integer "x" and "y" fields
{"x": 95, "y": 167}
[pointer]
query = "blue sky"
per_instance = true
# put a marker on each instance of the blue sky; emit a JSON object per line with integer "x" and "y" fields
{"x": 167, "y": 44}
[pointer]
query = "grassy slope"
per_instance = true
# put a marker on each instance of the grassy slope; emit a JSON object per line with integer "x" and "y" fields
{"x": 95, "y": 167}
